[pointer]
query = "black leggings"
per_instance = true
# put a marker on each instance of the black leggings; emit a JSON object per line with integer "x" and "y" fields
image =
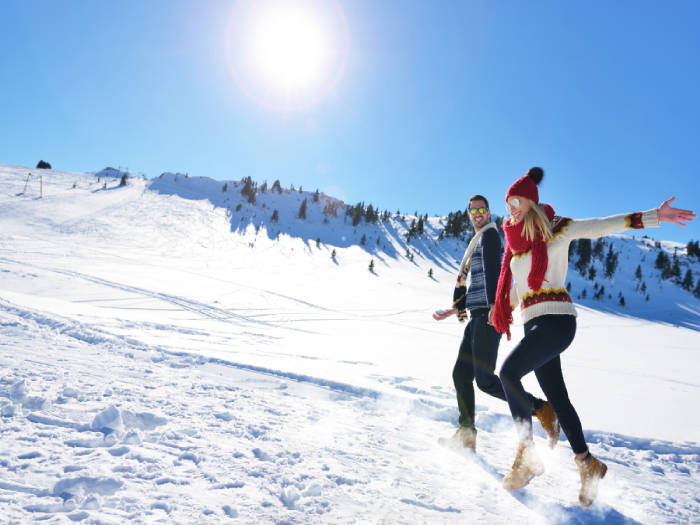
{"x": 545, "y": 338}
{"x": 477, "y": 360}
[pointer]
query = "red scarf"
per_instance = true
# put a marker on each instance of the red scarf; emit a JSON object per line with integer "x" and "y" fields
{"x": 516, "y": 243}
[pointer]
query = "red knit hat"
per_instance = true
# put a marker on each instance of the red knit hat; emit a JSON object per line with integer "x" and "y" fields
{"x": 526, "y": 186}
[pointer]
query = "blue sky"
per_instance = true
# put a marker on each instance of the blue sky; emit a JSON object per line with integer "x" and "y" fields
{"x": 436, "y": 101}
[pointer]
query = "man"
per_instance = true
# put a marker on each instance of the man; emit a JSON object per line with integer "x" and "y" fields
{"x": 476, "y": 292}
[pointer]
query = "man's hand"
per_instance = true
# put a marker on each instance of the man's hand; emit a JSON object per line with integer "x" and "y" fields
{"x": 439, "y": 315}
{"x": 491, "y": 315}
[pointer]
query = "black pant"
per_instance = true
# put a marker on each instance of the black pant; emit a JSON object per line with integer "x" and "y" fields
{"x": 477, "y": 360}
{"x": 545, "y": 338}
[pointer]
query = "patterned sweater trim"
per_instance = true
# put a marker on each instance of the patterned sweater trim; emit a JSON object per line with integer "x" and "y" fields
{"x": 633, "y": 221}
{"x": 542, "y": 295}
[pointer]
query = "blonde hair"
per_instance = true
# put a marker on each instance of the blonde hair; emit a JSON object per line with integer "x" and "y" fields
{"x": 536, "y": 220}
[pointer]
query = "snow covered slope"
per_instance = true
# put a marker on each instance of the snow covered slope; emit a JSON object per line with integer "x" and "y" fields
{"x": 166, "y": 357}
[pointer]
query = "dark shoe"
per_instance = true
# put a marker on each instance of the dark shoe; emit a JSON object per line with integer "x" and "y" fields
{"x": 550, "y": 423}
{"x": 592, "y": 471}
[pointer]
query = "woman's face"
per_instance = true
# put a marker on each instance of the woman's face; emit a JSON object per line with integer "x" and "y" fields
{"x": 517, "y": 207}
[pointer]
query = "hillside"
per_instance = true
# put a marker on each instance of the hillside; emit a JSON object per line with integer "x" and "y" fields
{"x": 649, "y": 297}
{"x": 167, "y": 357}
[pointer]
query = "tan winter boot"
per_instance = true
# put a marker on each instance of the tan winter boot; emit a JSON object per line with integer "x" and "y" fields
{"x": 592, "y": 471}
{"x": 466, "y": 436}
{"x": 550, "y": 423}
{"x": 526, "y": 466}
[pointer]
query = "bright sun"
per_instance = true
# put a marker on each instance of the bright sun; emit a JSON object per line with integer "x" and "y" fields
{"x": 288, "y": 46}
{"x": 287, "y": 54}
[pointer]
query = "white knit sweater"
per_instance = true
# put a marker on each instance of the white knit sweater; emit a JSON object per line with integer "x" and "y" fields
{"x": 553, "y": 298}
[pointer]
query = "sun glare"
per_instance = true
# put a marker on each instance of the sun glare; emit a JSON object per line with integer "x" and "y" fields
{"x": 288, "y": 47}
{"x": 287, "y": 54}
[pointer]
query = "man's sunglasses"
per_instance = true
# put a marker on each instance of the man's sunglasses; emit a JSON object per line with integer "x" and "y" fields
{"x": 473, "y": 211}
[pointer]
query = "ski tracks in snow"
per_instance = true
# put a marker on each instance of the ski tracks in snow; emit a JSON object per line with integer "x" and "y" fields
{"x": 101, "y": 428}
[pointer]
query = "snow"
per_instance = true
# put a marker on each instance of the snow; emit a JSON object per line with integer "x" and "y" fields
{"x": 166, "y": 358}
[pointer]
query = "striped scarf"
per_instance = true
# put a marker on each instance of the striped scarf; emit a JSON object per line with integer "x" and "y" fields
{"x": 467, "y": 259}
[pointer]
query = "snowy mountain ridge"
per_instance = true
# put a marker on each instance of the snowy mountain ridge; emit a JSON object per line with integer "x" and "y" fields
{"x": 649, "y": 296}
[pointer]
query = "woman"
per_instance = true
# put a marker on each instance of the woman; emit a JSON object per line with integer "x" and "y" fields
{"x": 536, "y": 260}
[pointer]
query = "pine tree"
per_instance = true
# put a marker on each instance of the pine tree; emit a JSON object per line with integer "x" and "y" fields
{"x": 583, "y": 247}
{"x": 598, "y": 249}
{"x": 224, "y": 188}
{"x": 660, "y": 260}
{"x": 693, "y": 249}
{"x": 622, "y": 301}
{"x": 676, "y": 269}
{"x": 568, "y": 287}
{"x": 318, "y": 242}
{"x": 302, "y": 210}
{"x": 122, "y": 182}
{"x": 363, "y": 240}
{"x": 638, "y": 273}
{"x": 238, "y": 207}
{"x": 687, "y": 283}
{"x": 356, "y": 212}
{"x": 276, "y": 186}
{"x": 666, "y": 270}
{"x": 457, "y": 224}
{"x": 371, "y": 265}
{"x": 263, "y": 188}
{"x": 249, "y": 189}
{"x": 430, "y": 273}
{"x": 316, "y": 195}
{"x": 275, "y": 216}
{"x": 689, "y": 248}
{"x": 371, "y": 214}
{"x": 591, "y": 273}
{"x": 644, "y": 287}
{"x": 600, "y": 293}
{"x": 583, "y": 293}
{"x": 610, "y": 262}
{"x": 696, "y": 292}
{"x": 333, "y": 254}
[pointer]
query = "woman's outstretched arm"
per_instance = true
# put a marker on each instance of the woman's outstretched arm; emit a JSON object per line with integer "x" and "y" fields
{"x": 598, "y": 227}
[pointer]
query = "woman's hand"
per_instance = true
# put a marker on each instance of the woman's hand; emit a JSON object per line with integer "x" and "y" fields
{"x": 439, "y": 315}
{"x": 674, "y": 215}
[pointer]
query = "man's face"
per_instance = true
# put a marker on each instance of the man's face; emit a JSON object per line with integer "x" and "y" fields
{"x": 479, "y": 218}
